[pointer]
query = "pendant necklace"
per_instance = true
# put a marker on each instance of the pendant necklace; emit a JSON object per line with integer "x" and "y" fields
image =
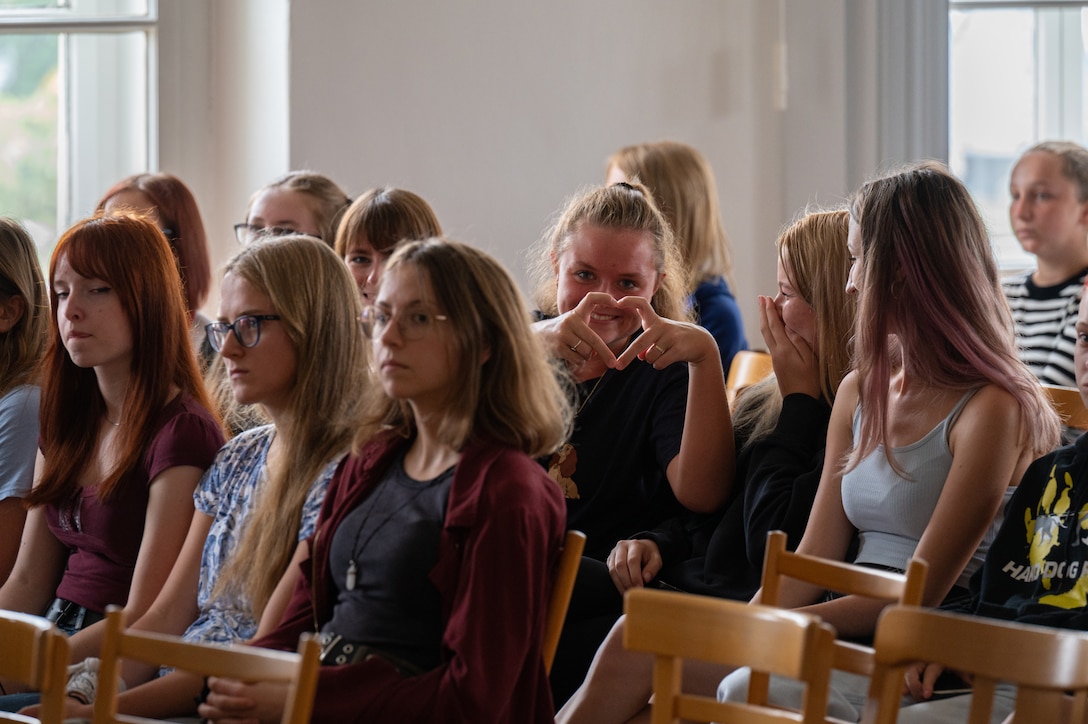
{"x": 351, "y": 578}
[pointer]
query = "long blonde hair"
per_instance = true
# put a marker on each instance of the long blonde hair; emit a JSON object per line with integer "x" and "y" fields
{"x": 320, "y": 311}
{"x": 813, "y": 252}
{"x": 683, "y": 185}
{"x": 515, "y": 398}
{"x": 22, "y": 348}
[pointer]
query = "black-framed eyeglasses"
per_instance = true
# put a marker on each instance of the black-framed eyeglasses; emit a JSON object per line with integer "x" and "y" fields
{"x": 247, "y": 233}
{"x": 247, "y": 330}
{"x": 413, "y": 323}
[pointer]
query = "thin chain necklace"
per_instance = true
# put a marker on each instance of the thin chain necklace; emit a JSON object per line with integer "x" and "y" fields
{"x": 591, "y": 391}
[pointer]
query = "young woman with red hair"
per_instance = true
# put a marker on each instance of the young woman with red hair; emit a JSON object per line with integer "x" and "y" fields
{"x": 126, "y": 432}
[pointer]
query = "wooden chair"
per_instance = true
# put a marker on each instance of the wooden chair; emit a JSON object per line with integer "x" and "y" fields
{"x": 676, "y": 626}
{"x": 249, "y": 663}
{"x": 747, "y": 368}
{"x": 1043, "y": 662}
{"x": 1069, "y": 405}
{"x": 778, "y": 563}
{"x": 565, "y": 573}
{"x": 36, "y": 654}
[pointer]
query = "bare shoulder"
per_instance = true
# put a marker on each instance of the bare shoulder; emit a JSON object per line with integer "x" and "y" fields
{"x": 848, "y": 386}
{"x": 992, "y": 409}
{"x": 992, "y": 399}
{"x": 846, "y": 398}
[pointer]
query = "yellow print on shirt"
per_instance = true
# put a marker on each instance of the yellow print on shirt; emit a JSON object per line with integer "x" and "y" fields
{"x": 1044, "y": 533}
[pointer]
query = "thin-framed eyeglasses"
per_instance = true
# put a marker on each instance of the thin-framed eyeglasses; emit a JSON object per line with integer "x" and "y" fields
{"x": 412, "y": 323}
{"x": 247, "y": 330}
{"x": 247, "y": 233}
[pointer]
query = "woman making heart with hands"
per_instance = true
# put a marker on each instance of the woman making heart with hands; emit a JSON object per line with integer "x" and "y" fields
{"x": 610, "y": 278}
{"x": 652, "y": 434}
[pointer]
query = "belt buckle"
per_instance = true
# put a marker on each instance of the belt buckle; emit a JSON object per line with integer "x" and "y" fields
{"x": 328, "y": 642}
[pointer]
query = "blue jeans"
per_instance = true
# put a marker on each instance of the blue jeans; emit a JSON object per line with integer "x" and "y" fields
{"x": 15, "y": 702}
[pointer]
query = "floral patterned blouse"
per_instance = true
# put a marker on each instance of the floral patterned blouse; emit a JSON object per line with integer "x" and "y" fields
{"x": 228, "y": 493}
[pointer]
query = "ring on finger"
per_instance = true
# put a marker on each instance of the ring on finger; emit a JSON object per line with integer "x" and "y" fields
{"x": 659, "y": 348}
{"x": 576, "y": 346}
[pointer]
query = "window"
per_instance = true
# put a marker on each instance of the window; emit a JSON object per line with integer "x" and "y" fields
{"x": 76, "y": 100}
{"x": 1016, "y": 77}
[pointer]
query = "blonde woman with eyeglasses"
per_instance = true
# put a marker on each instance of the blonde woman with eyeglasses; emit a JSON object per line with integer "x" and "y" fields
{"x": 24, "y": 334}
{"x": 292, "y": 345}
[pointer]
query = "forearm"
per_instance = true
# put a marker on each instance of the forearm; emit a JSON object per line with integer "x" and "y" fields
{"x": 702, "y": 474}
{"x": 25, "y": 596}
{"x": 39, "y": 567}
{"x": 86, "y": 642}
{"x": 173, "y": 695}
{"x": 12, "y": 517}
{"x": 852, "y": 616}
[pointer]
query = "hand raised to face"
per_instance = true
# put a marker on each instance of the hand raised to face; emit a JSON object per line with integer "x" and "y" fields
{"x": 795, "y": 363}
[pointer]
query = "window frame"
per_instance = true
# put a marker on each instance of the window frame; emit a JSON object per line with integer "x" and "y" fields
{"x": 82, "y": 177}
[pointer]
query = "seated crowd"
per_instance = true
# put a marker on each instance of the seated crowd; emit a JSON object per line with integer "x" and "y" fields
{"x": 386, "y": 449}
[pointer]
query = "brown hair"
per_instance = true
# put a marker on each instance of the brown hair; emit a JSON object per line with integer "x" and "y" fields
{"x": 180, "y": 220}
{"x": 514, "y": 398}
{"x": 386, "y": 216}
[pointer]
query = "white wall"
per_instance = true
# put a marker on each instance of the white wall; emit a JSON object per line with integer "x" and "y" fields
{"x": 223, "y": 106}
{"x": 495, "y": 112}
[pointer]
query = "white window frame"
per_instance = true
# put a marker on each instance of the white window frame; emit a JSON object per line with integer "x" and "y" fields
{"x": 89, "y": 160}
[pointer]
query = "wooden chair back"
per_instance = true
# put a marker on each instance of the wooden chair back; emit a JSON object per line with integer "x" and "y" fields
{"x": 845, "y": 578}
{"x": 747, "y": 368}
{"x": 1069, "y": 406}
{"x": 36, "y": 654}
{"x": 676, "y": 626}
{"x": 1044, "y": 663}
{"x": 248, "y": 663}
{"x": 562, "y": 587}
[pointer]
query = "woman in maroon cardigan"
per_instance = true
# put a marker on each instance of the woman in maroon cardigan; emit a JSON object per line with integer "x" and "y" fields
{"x": 431, "y": 566}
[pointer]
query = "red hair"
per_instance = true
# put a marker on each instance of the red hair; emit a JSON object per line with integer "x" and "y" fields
{"x": 179, "y": 215}
{"x": 131, "y": 254}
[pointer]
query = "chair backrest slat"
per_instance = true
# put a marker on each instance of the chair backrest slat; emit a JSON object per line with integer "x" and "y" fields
{"x": 566, "y": 571}
{"x": 36, "y": 654}
{"x": 248, "y": 663}
{"x": 1047, "y": 662}
{"x": 845, "y": 578}
{"x": 678, "y": 626}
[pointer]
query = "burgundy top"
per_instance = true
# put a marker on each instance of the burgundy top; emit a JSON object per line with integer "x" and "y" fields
{"x": 104, "y": 538}
{"x": 496, "y": 557}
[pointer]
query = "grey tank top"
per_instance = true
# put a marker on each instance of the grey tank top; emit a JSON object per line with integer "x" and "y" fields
{"x": 891, "y": 512}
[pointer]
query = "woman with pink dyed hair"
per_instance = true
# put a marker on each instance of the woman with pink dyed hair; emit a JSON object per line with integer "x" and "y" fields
{"x": 940, "y": 417}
